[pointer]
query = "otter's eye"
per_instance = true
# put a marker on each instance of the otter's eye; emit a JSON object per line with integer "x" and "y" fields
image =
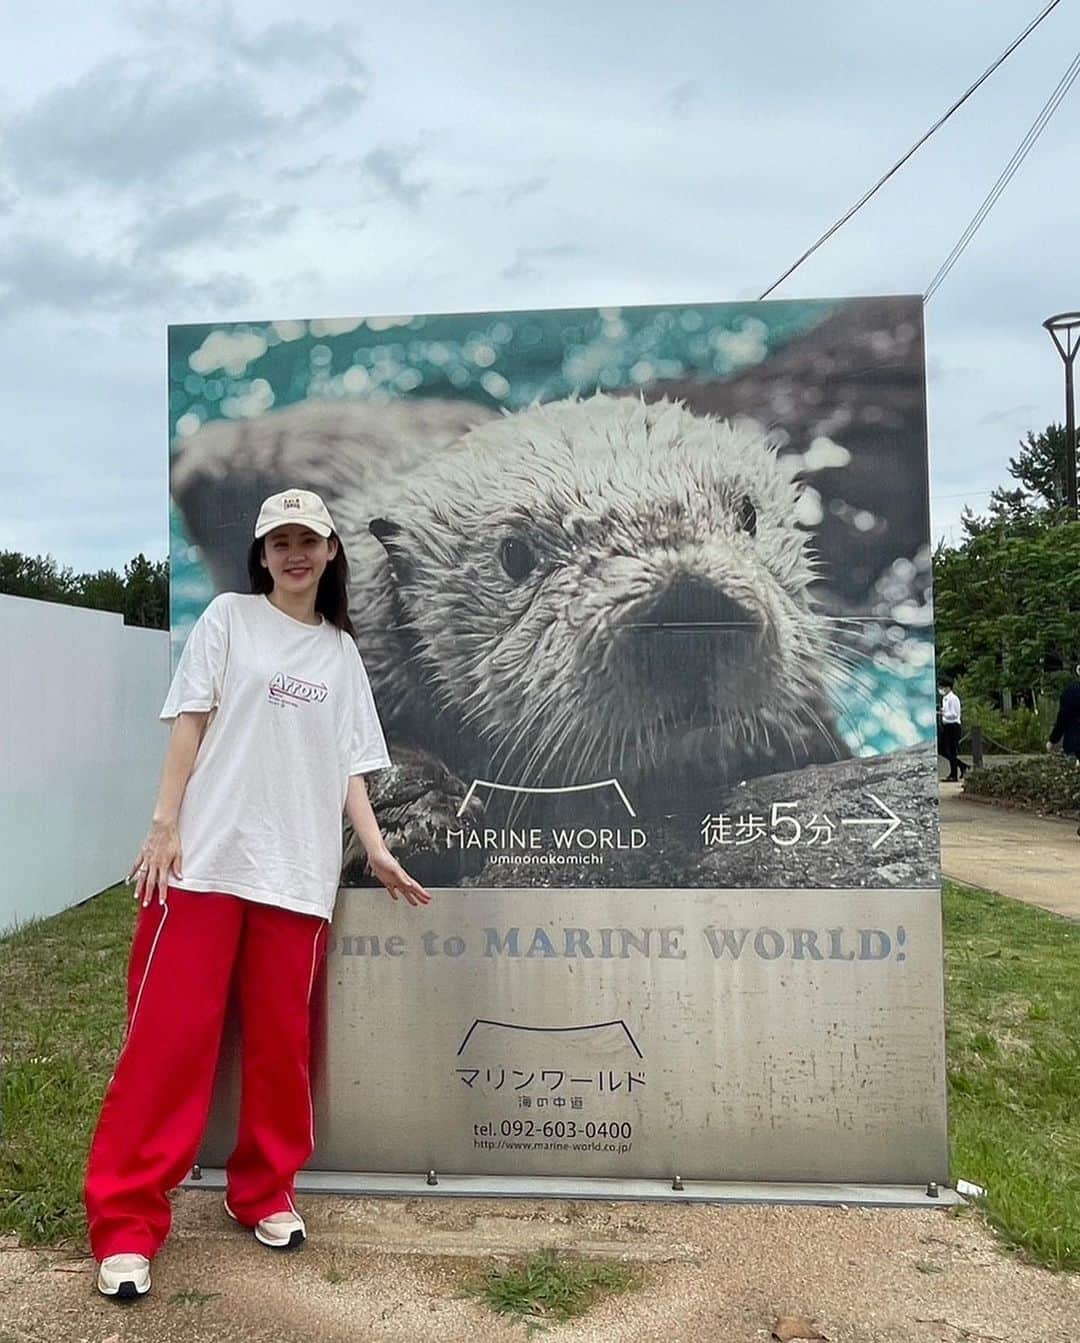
{"x": 516, "y": 558}
{"x": 746, "y": 516}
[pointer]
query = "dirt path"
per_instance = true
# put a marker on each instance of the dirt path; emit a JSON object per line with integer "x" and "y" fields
{"x": 1016, "y": 853}
{"x": 391, "y": 1269}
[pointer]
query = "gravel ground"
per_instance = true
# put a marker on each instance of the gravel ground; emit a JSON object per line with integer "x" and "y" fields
{"x": 392, "y": 1269}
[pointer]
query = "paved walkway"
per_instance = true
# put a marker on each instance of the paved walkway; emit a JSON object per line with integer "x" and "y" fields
{"x": 1016, "y": 853}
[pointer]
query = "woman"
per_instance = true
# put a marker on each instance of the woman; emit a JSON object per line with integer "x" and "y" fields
{"x": 274, "y": 725}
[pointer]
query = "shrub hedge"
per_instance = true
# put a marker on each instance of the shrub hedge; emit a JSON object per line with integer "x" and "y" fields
{"x": 1050, "y": 783}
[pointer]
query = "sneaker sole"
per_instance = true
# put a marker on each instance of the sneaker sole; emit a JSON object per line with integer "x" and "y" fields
{"x": 295, "y": 1240}
{"x": 127, "y": 1290}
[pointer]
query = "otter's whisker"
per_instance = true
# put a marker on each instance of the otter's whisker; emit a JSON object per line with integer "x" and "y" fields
{"x": 539, "y": 706}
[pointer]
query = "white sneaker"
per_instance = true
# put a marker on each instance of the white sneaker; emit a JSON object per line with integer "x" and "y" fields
{"x": 280, "y": 1230}
{"x": 125, "y": 1276}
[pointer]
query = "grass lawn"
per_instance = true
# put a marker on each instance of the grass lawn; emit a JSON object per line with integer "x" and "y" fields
{"x": 62, "y": 1015}
{"x": 1012, "y": 983}
{"x": 1013, "y": 1032}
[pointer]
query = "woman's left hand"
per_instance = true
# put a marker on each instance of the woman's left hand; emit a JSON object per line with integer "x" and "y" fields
{"x": 396, "y": 880}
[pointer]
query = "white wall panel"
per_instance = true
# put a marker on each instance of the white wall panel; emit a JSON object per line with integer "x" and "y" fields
{"x": 81, "y": 749}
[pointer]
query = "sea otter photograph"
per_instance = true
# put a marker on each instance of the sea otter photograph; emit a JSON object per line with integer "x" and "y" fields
{"x": 643, "y": 593}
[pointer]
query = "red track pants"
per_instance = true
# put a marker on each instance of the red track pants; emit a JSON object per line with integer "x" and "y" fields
{"x": 157, "y": 1102}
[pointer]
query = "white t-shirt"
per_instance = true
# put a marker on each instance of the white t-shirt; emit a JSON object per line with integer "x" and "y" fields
{"x": 950, "y": 707}
{"x": 262, "y": 811}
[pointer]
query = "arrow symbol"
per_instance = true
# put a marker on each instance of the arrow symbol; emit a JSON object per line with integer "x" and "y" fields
{"x": 890, "y": 821}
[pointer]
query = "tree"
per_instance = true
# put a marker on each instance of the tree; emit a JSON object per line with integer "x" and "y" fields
{"x": 1040, "y": 468}
{"x": 146, "y": 599}
{"x": 1007, "y": 599}
{"x": 39, "y": 576}
{"x": 1007, "y": 607}
{"x": 104, "y": 591}
{"x": 141, "y": 595}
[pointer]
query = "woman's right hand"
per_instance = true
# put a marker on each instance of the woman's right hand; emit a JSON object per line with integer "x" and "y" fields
{"x": 160, "y": 852}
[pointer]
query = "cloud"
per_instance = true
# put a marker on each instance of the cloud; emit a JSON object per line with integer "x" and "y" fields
{"x": 119, "y": 125}
{"x": 287, "y": 43}
{"x": 296, "y": 43}
{"x": 302, "y": 172}
{"x": 336, "y": 101}
{"x": 502, "y": 195}
{"x": 1010, "y": 415}
{"x": 384, "y": 171}
{"x": 302, "y": 282}
{"x": 227, "y": 220}
{"x": 387, "y": 168}
{"x": 167, "y": 144}
{"x": 522, "y": 264}
{"x": 679, "y": 101}
{"x": 140, "y": 118}
{"x": 528, "y": 186}
{"x": 37, "y": 272}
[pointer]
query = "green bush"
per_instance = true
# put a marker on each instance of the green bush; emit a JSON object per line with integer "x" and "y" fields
{"x": 1049, "y": 783}
{"x": 1026, "y": 730}
{"x": 1022, "y": 730}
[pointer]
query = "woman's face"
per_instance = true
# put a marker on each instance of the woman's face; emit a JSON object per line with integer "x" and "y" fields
{"x": 296, "y": 557}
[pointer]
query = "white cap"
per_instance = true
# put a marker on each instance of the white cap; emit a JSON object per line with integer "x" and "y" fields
{"x": 303, "y": 506}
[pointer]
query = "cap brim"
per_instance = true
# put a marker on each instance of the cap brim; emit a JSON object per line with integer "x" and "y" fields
{"x": 320, "y": 527}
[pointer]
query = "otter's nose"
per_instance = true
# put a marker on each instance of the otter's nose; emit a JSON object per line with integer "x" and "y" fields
{"x": 693, "y": 603}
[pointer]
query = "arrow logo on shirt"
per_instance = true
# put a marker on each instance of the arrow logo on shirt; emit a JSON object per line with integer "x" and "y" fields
{"x": 291, "y": 687}
{"x": 890, "y": 821}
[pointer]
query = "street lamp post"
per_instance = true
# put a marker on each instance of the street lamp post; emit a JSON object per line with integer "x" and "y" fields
{"x": 1065, "y": 332}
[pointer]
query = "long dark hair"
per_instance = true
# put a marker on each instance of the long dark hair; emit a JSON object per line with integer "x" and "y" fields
{"x": 332, "y": 597}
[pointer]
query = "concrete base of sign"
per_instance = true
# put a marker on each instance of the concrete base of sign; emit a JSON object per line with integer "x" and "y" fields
{"x": 370, "y": 1185}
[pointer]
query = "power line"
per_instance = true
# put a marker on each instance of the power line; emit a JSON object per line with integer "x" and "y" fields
{"x": 1021, "y": 152}
{"x": 917, "y": 145}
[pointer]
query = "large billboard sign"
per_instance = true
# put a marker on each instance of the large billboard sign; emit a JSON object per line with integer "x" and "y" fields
{"x": 644, "y": 598}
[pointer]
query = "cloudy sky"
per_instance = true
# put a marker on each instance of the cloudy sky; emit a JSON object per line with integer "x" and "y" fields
{"x": 186, "y": 162}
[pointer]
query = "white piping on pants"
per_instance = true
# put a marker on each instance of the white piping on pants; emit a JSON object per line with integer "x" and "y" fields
{"x": 142, "y": 985}
{"x": 311, "y": 985}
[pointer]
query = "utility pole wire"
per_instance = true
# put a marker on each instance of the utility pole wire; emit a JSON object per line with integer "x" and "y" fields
{"x": 916, "y": 146}
{"x": 1021, "y": 152}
